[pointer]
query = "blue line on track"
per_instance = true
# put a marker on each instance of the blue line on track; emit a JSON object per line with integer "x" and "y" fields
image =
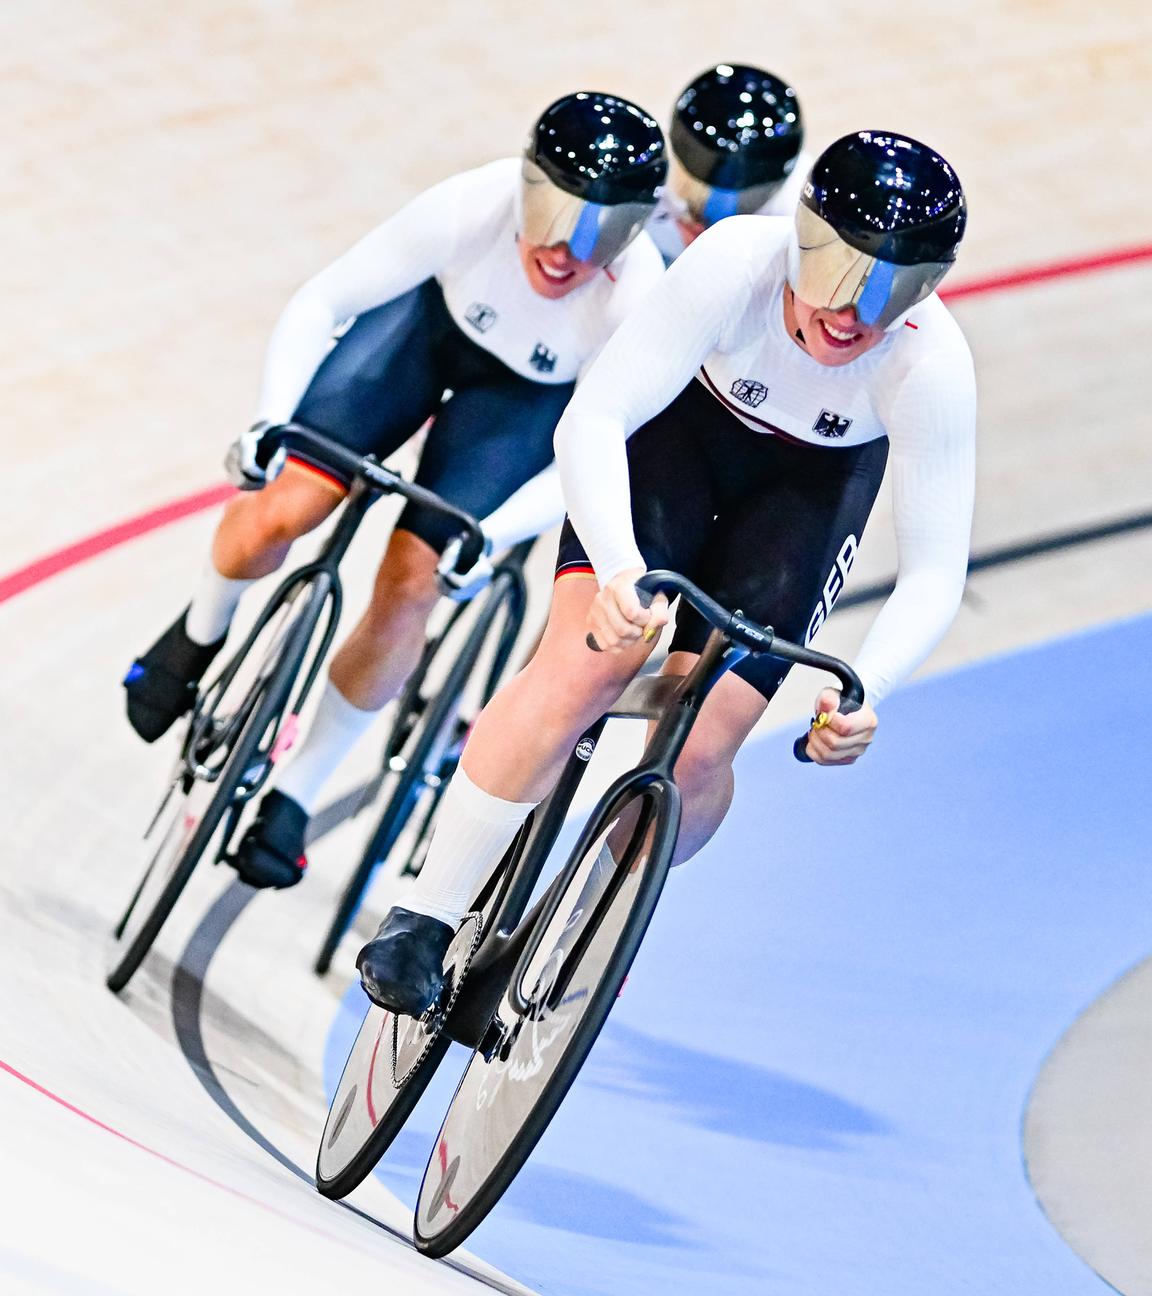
{"x": 814, "y": 1080}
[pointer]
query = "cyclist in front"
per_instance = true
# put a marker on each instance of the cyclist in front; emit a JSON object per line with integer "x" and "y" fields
{"x": 735, "y": 148}
{"x": 735, "y": 429}
{"x": 498, "y": 285}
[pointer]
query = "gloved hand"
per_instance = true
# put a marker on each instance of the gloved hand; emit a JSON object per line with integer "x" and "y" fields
{"x": 242, "y": 463}
{"x": 462, "y": 586}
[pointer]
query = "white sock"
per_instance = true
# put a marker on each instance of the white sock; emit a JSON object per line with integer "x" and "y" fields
{"x": 213, "y": 606}
{"x": 335, "y": 730}
{"x": 473, "y": 830}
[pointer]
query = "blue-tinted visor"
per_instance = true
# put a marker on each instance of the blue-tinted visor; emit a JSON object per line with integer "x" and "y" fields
{"x": 826, "y": 271}
{"x": 705, "y": 204}
{"x": 593, "y": 231}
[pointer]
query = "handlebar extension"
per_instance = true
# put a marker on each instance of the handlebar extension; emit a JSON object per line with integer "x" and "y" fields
{"x": 349, "y": 464}
{"x": 755, "y": 637}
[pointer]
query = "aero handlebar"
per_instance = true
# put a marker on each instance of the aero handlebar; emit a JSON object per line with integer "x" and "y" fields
{"x": 329, "y": 453}
{"x": 756, "y": 638}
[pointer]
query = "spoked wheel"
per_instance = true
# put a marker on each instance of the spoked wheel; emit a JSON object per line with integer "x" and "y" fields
{"x": 235, "y": 743}
{"x": 423, "y": 750}
{"x": 391, "y": 1062}
{"x": 526, "y": 1063}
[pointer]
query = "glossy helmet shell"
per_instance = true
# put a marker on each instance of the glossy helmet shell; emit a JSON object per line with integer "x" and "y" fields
{"x": 890, "y": 197}
{"x": 736, "y": 127}
{"x": 600, "y": 148}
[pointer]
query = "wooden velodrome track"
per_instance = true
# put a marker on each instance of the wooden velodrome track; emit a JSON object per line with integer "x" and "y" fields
{"x": 170, "y": 176}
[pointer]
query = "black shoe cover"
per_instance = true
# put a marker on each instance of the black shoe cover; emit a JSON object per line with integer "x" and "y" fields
{"x": 271, "y": 852}
{"x": 161, "y": 685}
{"x": 402, "y": 967}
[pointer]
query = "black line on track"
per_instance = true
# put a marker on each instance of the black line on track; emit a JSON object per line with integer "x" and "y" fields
{"x": 1004, "y": 555}
{"x": 187, "y": 1007}
{"x": 187, "y": 1002}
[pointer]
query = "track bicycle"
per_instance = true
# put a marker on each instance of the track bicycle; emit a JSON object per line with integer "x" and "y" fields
{"x": 460, "y": 668}
{"x": 529, "y": 994}
{"x": 247, "y": 717}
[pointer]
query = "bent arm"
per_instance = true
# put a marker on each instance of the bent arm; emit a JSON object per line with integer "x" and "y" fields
{"x": 933, "y": 469}
{"x": 646, "y": 363}
{"x": 409, "y": 247}
{"x": 536, "y": 506}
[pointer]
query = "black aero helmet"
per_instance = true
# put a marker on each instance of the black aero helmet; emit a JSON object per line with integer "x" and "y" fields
{"x": 877, "y": 227}
{"x": 593, "y": 167}
{"x": 736, "y": 133}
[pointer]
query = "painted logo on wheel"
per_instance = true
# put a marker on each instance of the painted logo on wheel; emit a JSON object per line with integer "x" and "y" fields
{"x": 442, "y": 1198}
{"x": 536, "y": 1034}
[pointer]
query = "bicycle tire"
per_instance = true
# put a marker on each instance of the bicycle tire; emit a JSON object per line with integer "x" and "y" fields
{"x": 364, "y": 1131}
{"x": 485, "y": 1139}
{"x": 429, "y": 724}
{"x": 275, "y": 688}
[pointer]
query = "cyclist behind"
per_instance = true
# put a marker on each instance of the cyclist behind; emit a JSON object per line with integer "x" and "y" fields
{"x": 499, "y": 284}
{"x": 735, "y": 429}
{"x": 735, "y": 148}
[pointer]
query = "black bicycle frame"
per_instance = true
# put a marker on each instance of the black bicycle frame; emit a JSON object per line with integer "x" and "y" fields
{"x": 673, "y": 725}
{"x": 323, "y": 572}
{"x": 369, "y": 480}
{"x": 503, "y": 959}
{"x": 501, "y": 963}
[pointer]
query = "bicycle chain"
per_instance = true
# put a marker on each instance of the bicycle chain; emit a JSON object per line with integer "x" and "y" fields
{"x": 398, "y": 1081}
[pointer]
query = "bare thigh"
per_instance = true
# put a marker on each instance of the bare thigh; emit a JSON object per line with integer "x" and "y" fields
{"x": 522, "y": 738}
{"x": 258, "y": 527}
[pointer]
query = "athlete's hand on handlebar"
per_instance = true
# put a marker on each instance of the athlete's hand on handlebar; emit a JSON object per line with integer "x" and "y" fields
{"x": 243, "y": 462}
{"x": 465, "y": 585}
{"x": 838, "y": 739}
{"x": 617, "y": 618}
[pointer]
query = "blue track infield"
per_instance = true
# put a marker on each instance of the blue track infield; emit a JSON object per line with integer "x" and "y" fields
{"x": 814, "y": 1080}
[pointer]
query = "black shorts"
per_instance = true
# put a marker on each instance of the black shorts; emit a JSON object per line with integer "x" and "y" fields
{"x": 386, "y": 376}
{"x": 763, "y": 525}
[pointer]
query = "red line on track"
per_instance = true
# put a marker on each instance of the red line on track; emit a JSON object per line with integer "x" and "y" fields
{"x": 1066, "y": 269}
{"x": 178, "y": 1165}
{"x": 71, "y": 555}
{"x": 24, "y": 578}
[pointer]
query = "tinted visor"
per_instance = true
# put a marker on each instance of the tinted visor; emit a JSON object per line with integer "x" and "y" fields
{"x": 706, "y": 204}
{"x": 833, "y": 274}
{"x": 593, "y": 232}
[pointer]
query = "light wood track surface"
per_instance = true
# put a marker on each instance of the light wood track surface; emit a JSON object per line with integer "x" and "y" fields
{"x": 171, "y": 174}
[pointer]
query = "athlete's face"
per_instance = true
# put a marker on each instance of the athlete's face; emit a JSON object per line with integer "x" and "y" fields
{"x": 554, "y": 272}
{"x": 831, "y": 337}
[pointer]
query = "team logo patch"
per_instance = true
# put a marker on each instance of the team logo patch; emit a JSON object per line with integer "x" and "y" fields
{"x": 749, "y": 391}
{"x": 584, "y": 749}
{"x": 542, "y": 358}
{"x": 480, "y": 316}
{"x": 830, "y": 424}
